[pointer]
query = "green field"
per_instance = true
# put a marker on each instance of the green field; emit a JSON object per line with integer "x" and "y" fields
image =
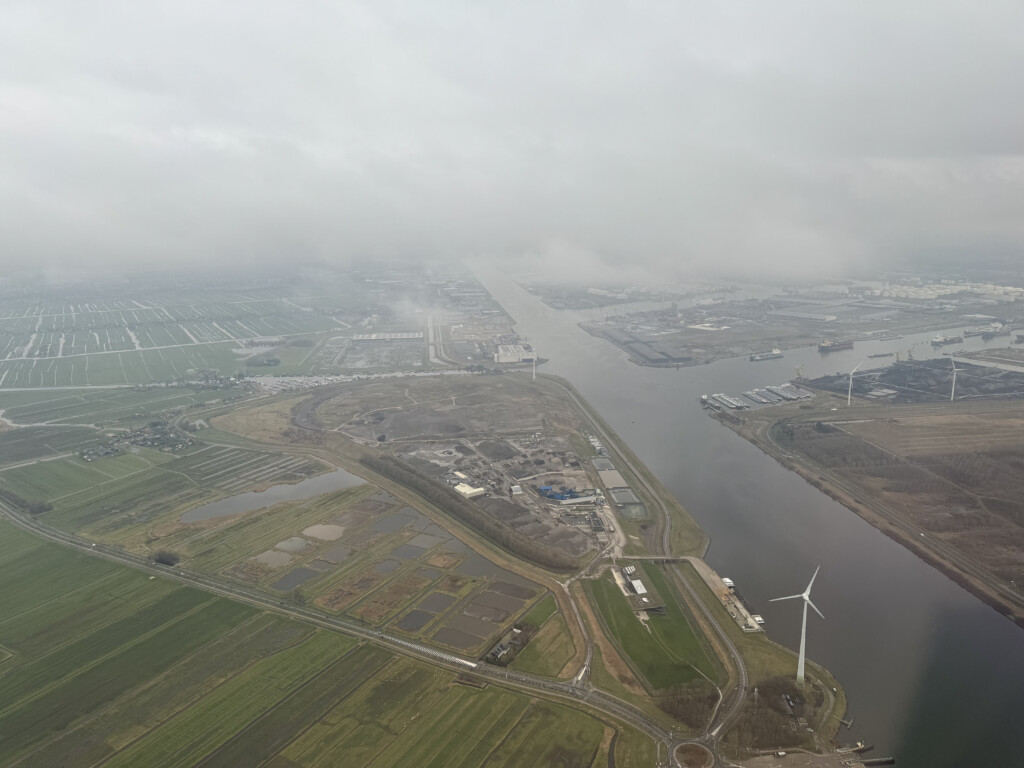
{"x": 136, "y": 499}
{"x": 122, "y": 497}
{"x": 157, "y": 337}
{"x": 27, "y": 443}
{"x": 104, "y": 407}
{"x": 667, "y": 656}
{"x": 111, "y": 667}
{"x": 541, "y": 612}
{"x": 548, "y": 651}
{"x": 166, "y": 334}
{"x": 674, "y": 632}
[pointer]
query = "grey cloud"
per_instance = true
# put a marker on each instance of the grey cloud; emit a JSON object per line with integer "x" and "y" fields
{"x": 789, "y": 136}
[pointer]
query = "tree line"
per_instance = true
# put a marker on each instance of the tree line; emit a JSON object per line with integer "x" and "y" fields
{"x": 32, "y": 507}
{"x": 466, "y": 512}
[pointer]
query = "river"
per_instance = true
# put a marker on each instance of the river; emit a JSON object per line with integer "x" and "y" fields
{"x": 933, "y": 675}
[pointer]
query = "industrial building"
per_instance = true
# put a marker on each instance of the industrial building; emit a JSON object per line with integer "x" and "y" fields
{"x": 640, "y": 598}
{"x": 395, "y": 336}
{"x": 468, "y": 491}
{"x": 513, "y": 353}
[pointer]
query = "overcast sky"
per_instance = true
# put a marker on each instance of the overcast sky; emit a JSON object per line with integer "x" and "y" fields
{"x": 806, "y": 135}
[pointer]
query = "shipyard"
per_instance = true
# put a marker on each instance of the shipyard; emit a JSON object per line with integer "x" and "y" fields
{"x": 726, "y": 322}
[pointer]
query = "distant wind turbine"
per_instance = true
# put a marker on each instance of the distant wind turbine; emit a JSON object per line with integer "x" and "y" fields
{"x": 849, "y": 393}
{"x": 806, "y": 596}
{"x": 952, "y": 392}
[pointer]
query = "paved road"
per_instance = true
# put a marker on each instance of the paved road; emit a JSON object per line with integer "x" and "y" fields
{"x": 722, "y": 716}
{"x": 598, "y": 700}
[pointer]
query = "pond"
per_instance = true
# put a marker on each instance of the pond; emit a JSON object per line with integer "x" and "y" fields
{"x": 337, "y": 480}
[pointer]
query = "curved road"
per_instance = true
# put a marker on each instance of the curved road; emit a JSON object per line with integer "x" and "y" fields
{"x": 722, "y": 717}
{"x": 597, "y": 700}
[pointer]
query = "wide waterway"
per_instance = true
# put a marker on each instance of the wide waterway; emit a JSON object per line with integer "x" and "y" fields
{"x": 933, "y": 675}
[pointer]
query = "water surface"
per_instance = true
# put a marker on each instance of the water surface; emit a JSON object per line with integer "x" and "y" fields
{"x": 337, "y": 480}
{"x": 933, "y": 675}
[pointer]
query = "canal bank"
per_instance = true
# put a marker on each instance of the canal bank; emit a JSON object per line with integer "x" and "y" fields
{"x": 932, "y": 675}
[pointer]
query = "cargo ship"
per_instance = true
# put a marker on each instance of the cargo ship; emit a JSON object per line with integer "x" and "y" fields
{"x": 882, "y": 354}
{"x": 987, "y": 332}
{"x": 710, "y": 404}
{"x": 992, "y": 333}
{"x": 731, "y": 402}
{"x": 776, "y": 352}
{"x": 833, "y": 346}
{"x": 941, "y": 341}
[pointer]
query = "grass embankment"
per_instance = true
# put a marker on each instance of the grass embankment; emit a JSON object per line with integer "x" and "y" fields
{"x": 686, "y": 536}
{"x": 443, "y": 497}
{"x": 661, "y": 665}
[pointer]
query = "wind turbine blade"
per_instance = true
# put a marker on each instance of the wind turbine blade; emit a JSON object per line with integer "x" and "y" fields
{"x": 789, "y": 597}
{"x": 815, "y": 608}
{"x": 808, "y": 590}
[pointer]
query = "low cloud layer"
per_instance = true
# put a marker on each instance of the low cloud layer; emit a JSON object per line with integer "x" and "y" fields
{"x": 779, "y": 137}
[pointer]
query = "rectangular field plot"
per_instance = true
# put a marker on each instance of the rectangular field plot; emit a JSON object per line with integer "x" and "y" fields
{"x": 351, "y": 552}
{"x": 101, "y": 407}
{"x": 110, "y": 508}
{"x": 18, "y": 445}
{"x": 52, "y": 479}
{"x": 156, "y": 337}
{"x": 548, "y": 651}
{"x": 233, "y": 469}
{"x": 125, "y": 496}
{"x": 110, "y": 667}
{"x": 410, "y": 715}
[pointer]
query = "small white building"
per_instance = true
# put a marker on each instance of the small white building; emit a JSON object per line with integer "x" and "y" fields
{"x": 638, "y": 587}
{"x": 516, "y": 490}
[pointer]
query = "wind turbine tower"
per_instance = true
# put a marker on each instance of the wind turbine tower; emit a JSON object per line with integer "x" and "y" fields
{"x": 806, "y": 596}
{"x": 952, "y": 392}
{"x": 849, "y": 392}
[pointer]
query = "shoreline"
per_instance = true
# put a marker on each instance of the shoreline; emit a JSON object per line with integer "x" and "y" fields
{"x": 983, "y": 589}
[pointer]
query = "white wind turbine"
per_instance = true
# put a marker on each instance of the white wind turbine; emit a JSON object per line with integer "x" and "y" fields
{"x": 806, "y": 596}
{"x": 952, "y": 392}
{"x": 849, "y": 393}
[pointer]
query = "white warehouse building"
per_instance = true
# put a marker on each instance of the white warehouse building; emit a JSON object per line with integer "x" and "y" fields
{"x": 513, "y": 353}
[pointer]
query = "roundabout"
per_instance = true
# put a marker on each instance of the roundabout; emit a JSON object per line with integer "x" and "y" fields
{"x": 693, "y": 755}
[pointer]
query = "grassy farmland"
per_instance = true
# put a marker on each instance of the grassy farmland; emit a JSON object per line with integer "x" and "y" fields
{"x": 107, "y": 666}
{"x": 158, "y": 336}
{"x": 356, "y": 551}
{"x": 171, "y": 332}
{"x": 549, "y": 650}
{"x": 668, "y": 655}
{"x": 103, "y": 407}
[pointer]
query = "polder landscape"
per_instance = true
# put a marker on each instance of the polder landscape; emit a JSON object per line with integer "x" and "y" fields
{"x": 293, "y": 526}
